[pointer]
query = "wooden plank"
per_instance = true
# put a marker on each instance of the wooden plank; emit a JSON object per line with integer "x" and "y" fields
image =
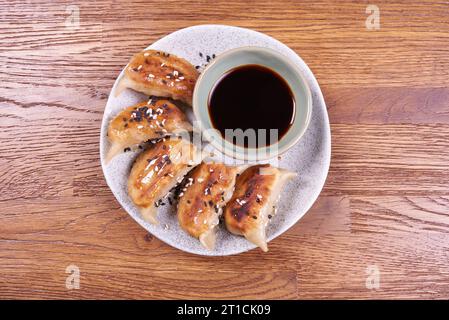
{"x": 389, "y": 160}
{"x": 405, "y": 238}
{"x": 387, "y": 105}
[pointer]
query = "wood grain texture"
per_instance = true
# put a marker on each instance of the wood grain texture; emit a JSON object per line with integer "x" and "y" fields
{"x": 385, "y": 202}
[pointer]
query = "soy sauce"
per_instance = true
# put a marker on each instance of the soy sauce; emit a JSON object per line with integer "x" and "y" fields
{"x": 252, "y": 97}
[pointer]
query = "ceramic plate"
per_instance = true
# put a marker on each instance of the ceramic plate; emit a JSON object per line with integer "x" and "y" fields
{"x": 310, "y": 157}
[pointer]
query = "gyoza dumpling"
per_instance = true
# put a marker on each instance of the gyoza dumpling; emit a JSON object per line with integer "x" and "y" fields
{"x": 160, "y": 74}
{"x": 157, "y": 170}
{"x": 145, "y": 121}
{"x": 207, "y": 189}
{"x": 256, "y": 192}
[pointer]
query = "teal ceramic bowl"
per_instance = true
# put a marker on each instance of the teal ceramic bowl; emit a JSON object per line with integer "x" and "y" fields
{"x": 268, "y": 58}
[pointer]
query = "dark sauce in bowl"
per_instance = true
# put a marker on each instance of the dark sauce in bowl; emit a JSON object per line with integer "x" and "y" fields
{"x": 252, "y": 97}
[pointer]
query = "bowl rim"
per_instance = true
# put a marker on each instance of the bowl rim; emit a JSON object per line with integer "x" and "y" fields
{"x": 239, "y": 152}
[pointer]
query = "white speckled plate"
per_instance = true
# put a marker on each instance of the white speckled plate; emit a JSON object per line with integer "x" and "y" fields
{"x": 310, "y": 157}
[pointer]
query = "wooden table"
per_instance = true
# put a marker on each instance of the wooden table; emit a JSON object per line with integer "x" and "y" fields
{"x": 385, "y": 205}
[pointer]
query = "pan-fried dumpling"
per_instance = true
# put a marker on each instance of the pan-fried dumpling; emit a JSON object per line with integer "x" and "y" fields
{"x": 157, "y": 170}
{"x": 145, "y": 121}
{"x": 256, "y": 192}
{"x": 205, "y": 192}
{"x": 160, "y": 74}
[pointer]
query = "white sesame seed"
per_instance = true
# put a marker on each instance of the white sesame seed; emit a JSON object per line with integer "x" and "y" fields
{"x": 146, "y": 54}
{"x": 175, "y": 73}
{"x": 163, "y": 64}
{"x": 139, "y": 67}
{"x": 240, "y": 202}
{"x": 259, "y": 196}
{"x": 151, "y": 75}
{"x": 181, "y": 78}
{"x": 200, "y": 180}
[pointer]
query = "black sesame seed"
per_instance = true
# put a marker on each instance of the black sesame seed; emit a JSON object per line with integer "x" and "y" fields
{"x": 254, "y": 217}
{"x": 127, "y": 149}
{"x": 270, "y": 216}
{"x": 207, "y": 58}
{"x": 143, "y": 109}
{"x": 197, "y": 67}
{"x": 211, "y": 203}
{"x": 201, "y": 55}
